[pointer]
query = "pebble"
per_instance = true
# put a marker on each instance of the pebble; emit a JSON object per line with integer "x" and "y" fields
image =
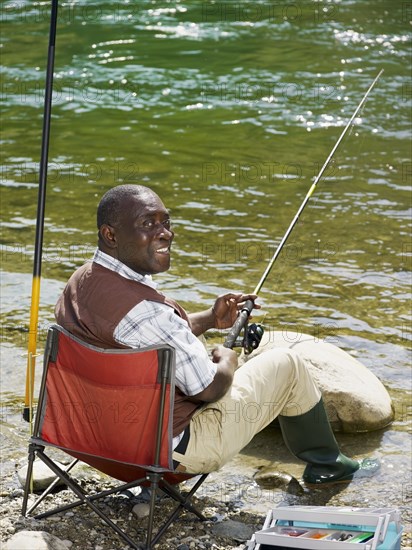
{"x": 235, "y": 530}
{"x": 268, "y": 478}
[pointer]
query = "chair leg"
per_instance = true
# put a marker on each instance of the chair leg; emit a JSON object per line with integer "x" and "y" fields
{"x": 96, "y": 496}
{"x": 84, "y": 500}
{"x": 185, "y": 500}
{"x": 183, "y": 503}
{"x": 50, "y": 488}
{"x": 154, "y": 479}
{"x": 32, "y": 456}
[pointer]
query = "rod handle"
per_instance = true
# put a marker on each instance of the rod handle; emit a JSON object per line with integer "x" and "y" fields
{"x": 27, "y": 414}
{"x": 239, "y": 324}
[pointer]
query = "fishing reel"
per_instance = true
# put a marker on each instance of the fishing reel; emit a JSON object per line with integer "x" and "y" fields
{"x": 251, "y": 338}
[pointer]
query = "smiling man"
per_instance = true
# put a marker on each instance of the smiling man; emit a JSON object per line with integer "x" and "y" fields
{"x": 113, "y": 302}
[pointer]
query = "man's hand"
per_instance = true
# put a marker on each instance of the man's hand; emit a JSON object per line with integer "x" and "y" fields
{"x": 222, "y": 315}
{"x": 227, "y": 307}
{"x": 224, "y": 356}
{"x": 226, "y": 360}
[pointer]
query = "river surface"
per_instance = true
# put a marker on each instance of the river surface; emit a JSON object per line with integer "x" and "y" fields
{"x": 227, "y": 110}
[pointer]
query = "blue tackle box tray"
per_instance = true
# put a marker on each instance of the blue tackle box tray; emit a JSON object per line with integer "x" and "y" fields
{"x": 329, "y": 528}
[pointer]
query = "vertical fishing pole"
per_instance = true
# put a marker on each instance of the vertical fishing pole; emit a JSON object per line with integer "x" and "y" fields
{"x": 38, "y": 247}
{"x": 248, "y": 306}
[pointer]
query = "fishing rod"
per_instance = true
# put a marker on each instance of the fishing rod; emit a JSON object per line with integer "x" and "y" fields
{"x": 248, "y": 305}
{"x": 41, "y": 202}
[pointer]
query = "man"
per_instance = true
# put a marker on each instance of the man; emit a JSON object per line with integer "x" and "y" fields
{"x": 113, "y": 302}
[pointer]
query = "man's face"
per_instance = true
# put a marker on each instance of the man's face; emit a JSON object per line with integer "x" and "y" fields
{"x": 143, "y": 235}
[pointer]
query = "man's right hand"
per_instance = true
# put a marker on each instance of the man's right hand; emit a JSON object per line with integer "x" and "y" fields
{"x": 220, "y": 353}
{"x": 226, "y": 360}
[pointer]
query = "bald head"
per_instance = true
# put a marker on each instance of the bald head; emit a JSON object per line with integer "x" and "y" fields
{"x": 112, "y": 203}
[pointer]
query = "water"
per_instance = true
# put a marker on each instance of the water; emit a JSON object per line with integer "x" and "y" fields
{"x": 227, "y": 110}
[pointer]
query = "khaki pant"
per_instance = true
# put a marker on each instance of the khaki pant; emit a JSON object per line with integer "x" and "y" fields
{"x": 274, "y": 383}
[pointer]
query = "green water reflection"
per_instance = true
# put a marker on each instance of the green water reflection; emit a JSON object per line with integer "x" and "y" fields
{"x": 227, "y": 110}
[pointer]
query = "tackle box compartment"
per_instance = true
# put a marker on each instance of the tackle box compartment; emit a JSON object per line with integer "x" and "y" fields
{"x": 329, "y": 528}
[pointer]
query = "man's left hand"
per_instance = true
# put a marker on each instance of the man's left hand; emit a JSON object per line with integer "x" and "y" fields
{"x": 227, "y": 307}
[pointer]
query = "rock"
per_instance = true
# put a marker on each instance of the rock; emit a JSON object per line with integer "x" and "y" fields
{"x": 141, "y": 510}
{"x": 355, "y": 399}
{"x": 36, "y": 540}
{"x": 268, "y": 478}
{"x": 42, "y": 475}
{"x": 234, "y": 530}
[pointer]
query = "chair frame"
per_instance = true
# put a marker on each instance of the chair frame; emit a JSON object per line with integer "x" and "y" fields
{"x": 155, "y": 475}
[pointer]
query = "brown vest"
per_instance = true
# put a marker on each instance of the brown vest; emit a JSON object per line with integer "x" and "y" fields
{"x": 94, "y": 302}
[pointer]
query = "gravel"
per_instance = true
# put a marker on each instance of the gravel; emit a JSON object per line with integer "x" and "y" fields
{"x": 235, "y": 507}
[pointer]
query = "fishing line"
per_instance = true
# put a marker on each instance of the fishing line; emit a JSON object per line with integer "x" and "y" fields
{"x": 248, "y": 305}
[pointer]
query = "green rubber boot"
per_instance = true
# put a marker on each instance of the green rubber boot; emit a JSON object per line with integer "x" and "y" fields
{"x": 310, "y": 437}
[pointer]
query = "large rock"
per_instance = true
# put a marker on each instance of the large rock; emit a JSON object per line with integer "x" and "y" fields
{"x": 42, "y": 475}
{"x": 36, "y": 540}
{"x": 355, "y": 399}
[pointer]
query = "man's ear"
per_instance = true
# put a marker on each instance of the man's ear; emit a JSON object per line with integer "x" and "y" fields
{"x": 108, "y": 236}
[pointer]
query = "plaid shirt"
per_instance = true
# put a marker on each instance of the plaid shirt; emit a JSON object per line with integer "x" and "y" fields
{"x": 153, "y": 323}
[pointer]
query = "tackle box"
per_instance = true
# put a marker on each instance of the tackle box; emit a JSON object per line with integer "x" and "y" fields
{"x": 329, "y": 528}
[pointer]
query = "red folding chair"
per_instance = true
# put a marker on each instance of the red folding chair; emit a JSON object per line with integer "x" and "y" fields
{"x": 112, "y": 409}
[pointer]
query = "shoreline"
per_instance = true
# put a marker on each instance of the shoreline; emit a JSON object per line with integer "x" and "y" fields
{"x": 234, "y": 504}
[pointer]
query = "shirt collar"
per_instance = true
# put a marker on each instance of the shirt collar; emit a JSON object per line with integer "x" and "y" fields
{"x": 119, "y": 267}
